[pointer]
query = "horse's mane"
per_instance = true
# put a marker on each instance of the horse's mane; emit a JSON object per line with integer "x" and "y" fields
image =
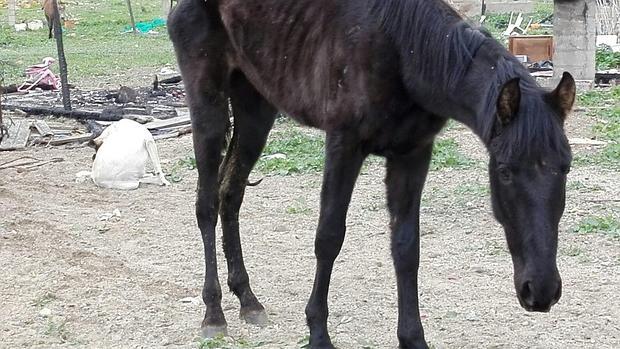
{"x": 442, "y": 47}
{"x": 439, "y": 42}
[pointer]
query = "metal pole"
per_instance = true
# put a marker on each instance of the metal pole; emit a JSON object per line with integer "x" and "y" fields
{"x": 66, "y": 97}
{"x": 133, "y": 21}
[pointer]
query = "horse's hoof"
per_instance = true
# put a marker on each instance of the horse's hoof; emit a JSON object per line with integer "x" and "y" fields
{"x": 255, "y": 317}
{"x": 212, "y": 331}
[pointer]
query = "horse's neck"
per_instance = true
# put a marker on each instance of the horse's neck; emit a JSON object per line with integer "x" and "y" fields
{"x": 474, "y": 102}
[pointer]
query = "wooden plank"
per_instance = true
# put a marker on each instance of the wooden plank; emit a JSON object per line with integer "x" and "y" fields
{"x": 64, "y": 140}
{"x": 184, "y": 111}
{"x": 18, "y": 135}
{"x": 43, "y": 128}
{"x": 75, "y": 114}
{"x": 176, "y": 133}
{"x": 168, "y": 123}
{"x": 142, "y": 119}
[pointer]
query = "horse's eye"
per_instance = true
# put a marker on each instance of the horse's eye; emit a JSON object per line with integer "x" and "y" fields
{"x": 505, "y": 175}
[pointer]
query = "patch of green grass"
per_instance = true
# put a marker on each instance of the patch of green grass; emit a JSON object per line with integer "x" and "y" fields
{"x": 304, "y": 342}
{"x": 604, "y": 105}
{"x": 292, "y": 151}
{"x": 572, "y": 251}
{"x": 606, "y": 225}
{"x": 96, "y": 47}
{"x": 44, "y": 299}
{"x": 298, "y": 207}
{"x": 57, "y": 329}
{"x": 494, "y": 248}
{"x": 606, "y": 58}
{"x": 221, "y": 342}
{"x": 496, "y": 23}
{"x": 176, "y": 172}
{"x": 597, "y": 97}
{"x": 575, "y": 185}
{"x": 609, "y": 125}
{"x": 472, "y": 189}
{"x": 446, "y": 155}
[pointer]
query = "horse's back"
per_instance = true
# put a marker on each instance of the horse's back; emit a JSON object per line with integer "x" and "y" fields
{"x": 322, "y": 62}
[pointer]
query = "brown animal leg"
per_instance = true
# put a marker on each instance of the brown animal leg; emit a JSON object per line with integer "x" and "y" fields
{"x": 404, "y": 180}
{"x": 344, "y": 159}
{"x": 253, "y": 118}
{"x": 200, "y": 56}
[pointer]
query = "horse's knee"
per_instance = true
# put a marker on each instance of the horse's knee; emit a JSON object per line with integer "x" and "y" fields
{"x": 206, "y": 206}
{"x": 406, "y": 255}
{"x": 328, "y": 241}
{"x": 314, "y": 313}
{"x": 230, "y": 200}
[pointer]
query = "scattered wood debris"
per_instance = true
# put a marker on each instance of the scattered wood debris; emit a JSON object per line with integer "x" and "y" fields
{"x": 38, "y": 132}
{"x": 161, "y": 108}
{"x": 18, "y": 132}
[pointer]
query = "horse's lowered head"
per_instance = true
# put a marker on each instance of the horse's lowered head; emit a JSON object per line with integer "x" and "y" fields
{"x": 529, "y": 160}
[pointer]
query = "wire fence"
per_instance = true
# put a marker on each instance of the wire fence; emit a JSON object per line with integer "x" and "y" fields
{"x": 608, "y": 12}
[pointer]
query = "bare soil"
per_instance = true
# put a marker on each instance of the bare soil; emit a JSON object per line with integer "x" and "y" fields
{"x": 70, "y": 278}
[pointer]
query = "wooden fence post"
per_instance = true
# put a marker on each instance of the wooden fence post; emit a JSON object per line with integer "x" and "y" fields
{"x": 133, "y": 21}
{"x": 66, "y": 97}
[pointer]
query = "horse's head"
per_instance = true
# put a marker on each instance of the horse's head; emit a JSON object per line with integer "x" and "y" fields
{"x": 529, "y": 160}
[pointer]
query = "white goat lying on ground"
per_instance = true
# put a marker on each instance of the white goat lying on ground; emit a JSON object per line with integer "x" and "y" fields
{"x": 123, "y": 150}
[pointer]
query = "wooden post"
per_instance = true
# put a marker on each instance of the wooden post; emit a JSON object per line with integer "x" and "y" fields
{"x": 66, "y": 97}
{"x": 133, "y": 21}
{"x": 12, "y": 6}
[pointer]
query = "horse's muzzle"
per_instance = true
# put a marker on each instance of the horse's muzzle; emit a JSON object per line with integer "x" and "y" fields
{"x": 539, "y": 295}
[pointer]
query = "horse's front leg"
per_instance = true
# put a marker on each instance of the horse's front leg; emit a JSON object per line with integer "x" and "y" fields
{"x": 343, "y": 161}
{"x": 209, "y": 131}
{"x": 405, "y": 180}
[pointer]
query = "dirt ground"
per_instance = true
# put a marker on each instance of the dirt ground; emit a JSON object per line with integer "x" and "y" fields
{"x": 70, "y": 278}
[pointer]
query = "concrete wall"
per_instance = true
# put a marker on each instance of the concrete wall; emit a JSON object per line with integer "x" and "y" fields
{"x": 473, "y": 7}
{"x": 574, "y": 29}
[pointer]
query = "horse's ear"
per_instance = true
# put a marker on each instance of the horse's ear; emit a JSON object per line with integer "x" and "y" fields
{"x": 508, "y": 101}
{"x": 563, "y": 97}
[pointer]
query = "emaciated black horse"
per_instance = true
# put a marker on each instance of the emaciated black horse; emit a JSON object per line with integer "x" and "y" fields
{"x": 379, "y": 77}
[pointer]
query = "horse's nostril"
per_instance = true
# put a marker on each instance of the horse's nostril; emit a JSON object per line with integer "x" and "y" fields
{"x": 526, "y": 293}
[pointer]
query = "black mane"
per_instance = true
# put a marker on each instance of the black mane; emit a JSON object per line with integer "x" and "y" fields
{"x": 442, "y": 47}
{"x": 538, "y": 127}
{"x": 439, "y": 42}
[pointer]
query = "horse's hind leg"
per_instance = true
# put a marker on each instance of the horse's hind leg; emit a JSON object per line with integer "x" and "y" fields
{"x": 344, "y": 159}
{"x": 203, "y": 67}
{"x": 404, "y": 180}
{"x": 253, "y": 118}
